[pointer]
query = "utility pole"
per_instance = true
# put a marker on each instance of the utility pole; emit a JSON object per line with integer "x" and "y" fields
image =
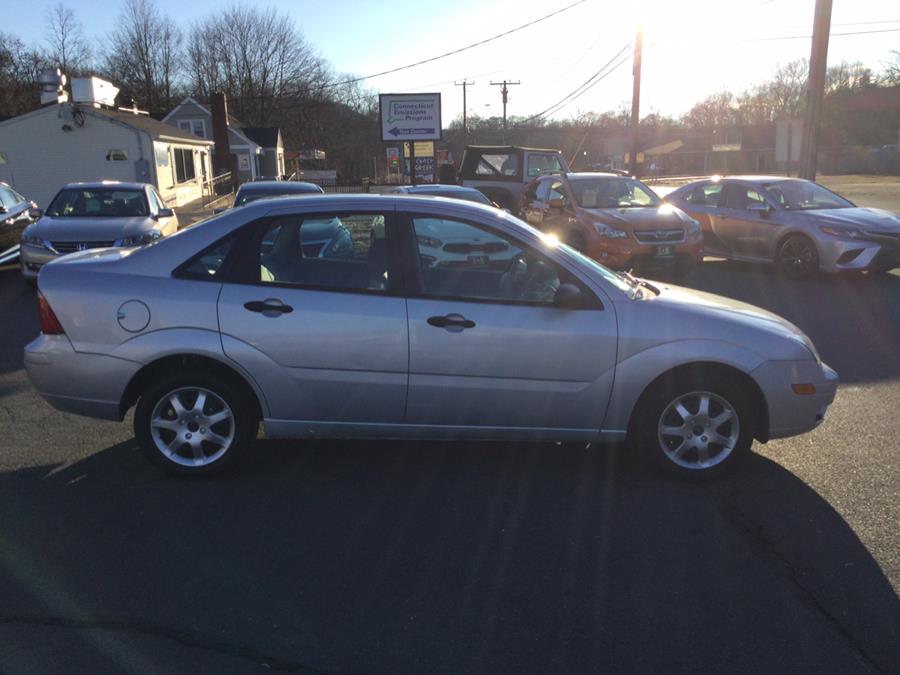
{"x": 815, "y": 89}
{"x": 635, "y": 103}
{"x": 464, "y": 84}
{"x": 504, "y": 89}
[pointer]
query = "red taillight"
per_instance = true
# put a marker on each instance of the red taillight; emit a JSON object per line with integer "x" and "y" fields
{"x": 50, "y": 325}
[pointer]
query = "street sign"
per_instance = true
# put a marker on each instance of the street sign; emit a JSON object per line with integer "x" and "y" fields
{"x": 410, "y": 117}
{"x": 423, "y": 149}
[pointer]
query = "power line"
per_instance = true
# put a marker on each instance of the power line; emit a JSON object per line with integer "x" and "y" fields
{"x": 806, "y": 37}
{"x": 461, "y": 49}
{"x": 583, "y": 87}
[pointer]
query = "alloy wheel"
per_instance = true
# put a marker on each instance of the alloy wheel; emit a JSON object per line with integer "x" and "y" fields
{"x": 192, "y": 426}
{"x": 698, "y": 430}
{"x": 798, "y": 256}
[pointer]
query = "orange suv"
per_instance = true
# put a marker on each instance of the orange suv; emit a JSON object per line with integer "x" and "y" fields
{"x": 616, "y": 220}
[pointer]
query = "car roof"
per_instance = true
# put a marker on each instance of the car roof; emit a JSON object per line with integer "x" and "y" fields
{"x": 284, "y": 185}
{"x": 105, "y": 184}
{"x": 427, "y": 189}
{"x": 509, "y": 148}
{"x": 592, "y": 174}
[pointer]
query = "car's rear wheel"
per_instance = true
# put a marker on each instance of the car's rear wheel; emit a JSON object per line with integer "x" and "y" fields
{"x": 696, "y": 427}
{"x": 797, "y": 257}
{"x": 194, "y": 423}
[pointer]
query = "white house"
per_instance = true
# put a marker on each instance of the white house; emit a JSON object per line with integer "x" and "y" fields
{"x": 60, "y": 143}
{"x": 259, "y": 150}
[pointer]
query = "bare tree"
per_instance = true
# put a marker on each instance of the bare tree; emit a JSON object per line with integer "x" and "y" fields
{"x": 144, "y": 54}
{"x": 891, "y": 76}
{"x": 19, "y": 71}
{"x": 258, "y": 58}
{"x": 66, "y": 45}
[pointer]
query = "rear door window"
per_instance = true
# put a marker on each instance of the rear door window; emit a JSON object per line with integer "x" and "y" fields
{"x": 346, "y": 251}
{"x": 504, "y": 164}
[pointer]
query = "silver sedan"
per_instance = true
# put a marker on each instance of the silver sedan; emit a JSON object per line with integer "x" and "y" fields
{"x": 797, "y": 224}
{"x": 85, "y": 216}
{"x": 234, "y": 321}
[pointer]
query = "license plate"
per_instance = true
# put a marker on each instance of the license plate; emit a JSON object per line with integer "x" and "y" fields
{"x": 663, "y": 251}
{"x": 478, "y": 260}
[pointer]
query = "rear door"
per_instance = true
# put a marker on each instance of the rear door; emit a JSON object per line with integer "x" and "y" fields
{"x": 489, "y": 350}
{"x": 314, "y": 317}
{"x": 745, "y": 233}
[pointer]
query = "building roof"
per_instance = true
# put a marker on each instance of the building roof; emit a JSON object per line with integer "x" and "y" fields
{"x": 266, "y": 137}
{"x": 149, "y": 125}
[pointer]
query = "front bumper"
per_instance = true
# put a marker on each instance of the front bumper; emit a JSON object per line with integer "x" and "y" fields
{"x": 75, "y": 382}
{"x": 877, "y": 253}
{"x": 32, "y": 258}
{"x": 627, "y": 253}
{"x": 791, "y": 413}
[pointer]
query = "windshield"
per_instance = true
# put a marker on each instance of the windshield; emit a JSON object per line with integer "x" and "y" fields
{"x": 612, "y": 192}
{"x": 803, "y": 195}
{"x": 251, "y": 196}
{"x": 98, "y": 203}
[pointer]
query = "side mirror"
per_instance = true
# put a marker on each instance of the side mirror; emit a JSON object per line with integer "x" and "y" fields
{"x": 762, "y": 209}
{"x": 35, "y": 213}
{"x": 164, "y": 213}
{"x": 3, "y": 209}
{"x": 568, "y": 296}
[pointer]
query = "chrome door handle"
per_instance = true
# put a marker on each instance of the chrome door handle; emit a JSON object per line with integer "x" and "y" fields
{"x": 451, "y": 321}
{"x": 268, "y": 306}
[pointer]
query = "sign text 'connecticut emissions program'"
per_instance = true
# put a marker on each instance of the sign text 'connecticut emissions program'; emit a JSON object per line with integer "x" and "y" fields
{"x": 410, "y": 117}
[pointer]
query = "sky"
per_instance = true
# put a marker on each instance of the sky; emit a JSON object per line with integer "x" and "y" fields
{"x": 693, "y": 48}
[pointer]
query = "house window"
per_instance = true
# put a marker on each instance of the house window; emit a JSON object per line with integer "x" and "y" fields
{"x": 116, "y": 155}
{"x": 196, "y": 127}
{"x": 184, "y": 165}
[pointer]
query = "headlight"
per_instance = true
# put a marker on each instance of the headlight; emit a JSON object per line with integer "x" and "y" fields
{"x": 845, "y": 232}
{"x": 139, "y": 239}
{"x": 32, "y": 240}
{"x": 611, "y": 232}
{"x": 693, "y": 229}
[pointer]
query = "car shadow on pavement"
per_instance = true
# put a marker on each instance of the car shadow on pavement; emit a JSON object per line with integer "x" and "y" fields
{"x": 404, "y": 557}
{"x": 854, "y": 320}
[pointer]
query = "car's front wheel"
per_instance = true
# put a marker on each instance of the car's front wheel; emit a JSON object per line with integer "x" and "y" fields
{"x": 797, "y": 257}
{"x": 696, "y": 427}
{"x": 194, "y": 423}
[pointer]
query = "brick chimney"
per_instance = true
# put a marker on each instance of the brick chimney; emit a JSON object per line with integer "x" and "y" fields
{"x": 223, "y": 160}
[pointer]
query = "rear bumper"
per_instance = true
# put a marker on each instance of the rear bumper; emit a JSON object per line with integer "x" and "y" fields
{"x": 74, "y": 382}
{"x": 789, "y": 413}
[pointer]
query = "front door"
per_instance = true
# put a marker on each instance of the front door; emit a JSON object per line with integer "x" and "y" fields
{"x": 316, "y": 321}
{"x": 489, "y": 349}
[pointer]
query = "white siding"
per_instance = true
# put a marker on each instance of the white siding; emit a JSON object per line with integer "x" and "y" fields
{"x": 41, "y": 157}
{"x": 178, "y": 194}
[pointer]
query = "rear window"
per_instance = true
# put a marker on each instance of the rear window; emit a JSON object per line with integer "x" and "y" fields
{"x": 98, "y": 203}
{"x": 497, "y": 165}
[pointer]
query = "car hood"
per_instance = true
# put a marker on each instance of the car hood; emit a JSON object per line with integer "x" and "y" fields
{"x": 650, "y": 218}
{"x": 870, "y": 219}
{"x": 89, "y": 229}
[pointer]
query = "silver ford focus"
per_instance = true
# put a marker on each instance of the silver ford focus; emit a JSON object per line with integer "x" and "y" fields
{"x": 237, "y": 320}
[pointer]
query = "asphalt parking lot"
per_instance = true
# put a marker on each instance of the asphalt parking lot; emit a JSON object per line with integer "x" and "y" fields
{"x": 359, "y": 557}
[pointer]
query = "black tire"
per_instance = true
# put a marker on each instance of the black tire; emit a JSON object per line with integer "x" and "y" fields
{"x": 240, "y": 428}
{"x": 797, "y": 257}
{"x": 576, "y": 240}
{"x": 655, "y": 411}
